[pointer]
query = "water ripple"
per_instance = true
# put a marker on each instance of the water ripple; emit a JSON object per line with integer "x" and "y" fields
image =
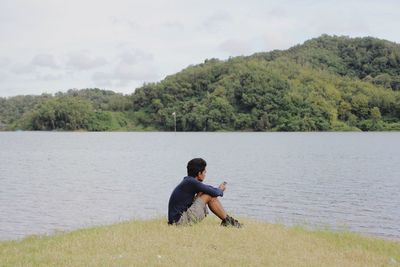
{"x": 62, "y": 181}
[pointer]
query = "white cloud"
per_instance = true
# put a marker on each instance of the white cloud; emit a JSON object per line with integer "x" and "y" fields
{"x": 132, "y": 67}
{"x": 50, "y": 77}
{"x": 136, "y": 56}
{"x": 44, "y": 60}
{"x": 217, "y": 21}
{"x": 3, "y": 76}
{"x": 235, "y": 47}
{"x": 102, "y": 79}
{"x": 83, "y": 61}
{"x": 131, "y": 24}
{"x": 174, "y": 26}
{"x": 23, "y": 69}
{"x": 38, "y": 64}
{"x": 139, "y": 72}
{"x": 4, "y": 62}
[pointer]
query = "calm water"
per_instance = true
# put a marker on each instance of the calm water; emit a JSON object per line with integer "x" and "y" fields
{"x": 63, "y": 181}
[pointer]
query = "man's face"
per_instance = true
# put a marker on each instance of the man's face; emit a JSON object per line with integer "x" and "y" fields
{"x": 201, "y": 175}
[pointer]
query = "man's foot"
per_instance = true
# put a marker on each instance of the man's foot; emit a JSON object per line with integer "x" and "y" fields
{"x": 229, "y": 221}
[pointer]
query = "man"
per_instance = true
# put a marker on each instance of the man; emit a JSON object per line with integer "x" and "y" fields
{"x": 189, "y": 200}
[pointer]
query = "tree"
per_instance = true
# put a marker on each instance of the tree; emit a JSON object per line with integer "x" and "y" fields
{"x": 62, "y": 113}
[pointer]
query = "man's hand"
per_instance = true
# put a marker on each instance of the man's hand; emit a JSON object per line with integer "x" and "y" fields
{"x": 222, "y": 186}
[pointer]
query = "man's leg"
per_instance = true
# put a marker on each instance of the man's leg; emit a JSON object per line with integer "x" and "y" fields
{"x": 214, "y": 204}
{"x": 216, "y": 207}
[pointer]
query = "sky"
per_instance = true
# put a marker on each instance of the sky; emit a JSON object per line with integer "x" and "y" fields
{"x": 48, "y": 46}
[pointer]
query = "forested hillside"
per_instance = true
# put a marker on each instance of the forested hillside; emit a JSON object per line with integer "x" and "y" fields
{"x": 326, "y": 84}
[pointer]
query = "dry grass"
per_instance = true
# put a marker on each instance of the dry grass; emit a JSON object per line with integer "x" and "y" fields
{"x": 153, "y": 243}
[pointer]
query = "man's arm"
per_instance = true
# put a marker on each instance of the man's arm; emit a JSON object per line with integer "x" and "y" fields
{"x": 208, "y": 189}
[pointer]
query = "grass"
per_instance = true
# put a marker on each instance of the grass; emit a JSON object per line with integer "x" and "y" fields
{"x": 153, "y": 243}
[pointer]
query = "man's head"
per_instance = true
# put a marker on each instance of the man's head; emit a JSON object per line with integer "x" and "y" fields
{"x": 197, "y": 168}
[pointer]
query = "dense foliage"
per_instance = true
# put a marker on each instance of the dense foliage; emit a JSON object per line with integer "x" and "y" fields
{"x": 326, "y": 84}
{"x": 88, "y": 109}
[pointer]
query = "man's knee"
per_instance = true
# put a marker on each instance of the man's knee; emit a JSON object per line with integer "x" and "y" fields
{"x": 207, "y": 198}
{"x": 213, "y": 199}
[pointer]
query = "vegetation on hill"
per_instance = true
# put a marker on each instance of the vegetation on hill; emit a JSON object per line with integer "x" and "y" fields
{"x": 328, "y": 83}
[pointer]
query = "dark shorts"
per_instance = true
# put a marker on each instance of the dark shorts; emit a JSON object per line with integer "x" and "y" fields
{"x": 194, "y": 214}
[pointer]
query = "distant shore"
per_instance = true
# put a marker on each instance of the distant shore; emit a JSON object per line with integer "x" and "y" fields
{"x": 154, "y": 243}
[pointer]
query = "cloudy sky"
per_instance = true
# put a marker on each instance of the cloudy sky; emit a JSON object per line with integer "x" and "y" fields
{"x": 56, "y": 45}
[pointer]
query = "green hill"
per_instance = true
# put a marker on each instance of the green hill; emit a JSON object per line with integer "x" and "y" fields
{"x": 328, "y": 83}
{"x": 369, "y": 59}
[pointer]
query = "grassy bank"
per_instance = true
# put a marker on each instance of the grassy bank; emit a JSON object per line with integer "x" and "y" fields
{"x": 153, "y": 243}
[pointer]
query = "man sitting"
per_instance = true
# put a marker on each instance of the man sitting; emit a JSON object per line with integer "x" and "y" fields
{"x": 189, "y": 200}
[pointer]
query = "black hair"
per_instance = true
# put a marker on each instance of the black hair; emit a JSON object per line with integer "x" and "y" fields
{"x": 195, "y": 166}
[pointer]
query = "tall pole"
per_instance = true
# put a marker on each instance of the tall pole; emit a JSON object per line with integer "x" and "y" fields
{"x": 174, "y": 114}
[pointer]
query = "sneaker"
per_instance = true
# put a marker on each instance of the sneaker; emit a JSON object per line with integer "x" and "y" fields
{"x": 229, "y": 221}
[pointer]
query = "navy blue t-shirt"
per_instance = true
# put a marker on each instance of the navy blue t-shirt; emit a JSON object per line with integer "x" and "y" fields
{"x": 182, "y": 196}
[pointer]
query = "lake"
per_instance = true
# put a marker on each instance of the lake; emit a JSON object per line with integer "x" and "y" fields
{"x": 60, "y": 181}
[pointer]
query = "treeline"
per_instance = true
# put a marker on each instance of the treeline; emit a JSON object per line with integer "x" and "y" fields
{"x": 326, "y": 84}
{"x": 87, "y": 109}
